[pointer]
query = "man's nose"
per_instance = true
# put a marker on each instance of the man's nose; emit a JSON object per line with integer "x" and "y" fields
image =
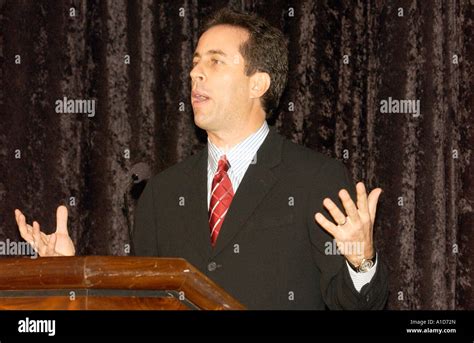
{"x": 196, "y": 74}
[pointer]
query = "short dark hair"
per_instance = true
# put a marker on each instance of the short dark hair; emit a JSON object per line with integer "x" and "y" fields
{"x": 264, "y": 51}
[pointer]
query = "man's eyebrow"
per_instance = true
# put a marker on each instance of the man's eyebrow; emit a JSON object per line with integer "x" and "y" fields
{"x": 211, "y": 52}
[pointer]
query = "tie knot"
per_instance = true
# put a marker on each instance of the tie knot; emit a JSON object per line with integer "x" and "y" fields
{"x": 223, "y": 164}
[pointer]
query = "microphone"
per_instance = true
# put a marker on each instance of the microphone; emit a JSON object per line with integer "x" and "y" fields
{"x": 140, "y": 172}
{"x": 135, "y": 184}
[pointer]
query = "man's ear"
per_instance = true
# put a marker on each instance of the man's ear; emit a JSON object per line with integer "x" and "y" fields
{"x": 259, "y": 84}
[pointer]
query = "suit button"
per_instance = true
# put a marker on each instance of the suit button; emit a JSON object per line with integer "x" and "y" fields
{"x": 212, "y": 266}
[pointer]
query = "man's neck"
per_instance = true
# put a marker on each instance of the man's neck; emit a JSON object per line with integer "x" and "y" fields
{"x": 227, "y": 140}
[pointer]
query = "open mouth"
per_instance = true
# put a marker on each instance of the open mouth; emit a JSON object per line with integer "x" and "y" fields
{"x": 199, "y": 98}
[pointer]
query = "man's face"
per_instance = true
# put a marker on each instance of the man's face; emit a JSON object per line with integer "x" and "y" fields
{"x": 220, "y": 88}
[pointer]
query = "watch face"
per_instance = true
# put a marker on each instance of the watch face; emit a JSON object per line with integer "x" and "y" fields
{"x": 366, "y": 265}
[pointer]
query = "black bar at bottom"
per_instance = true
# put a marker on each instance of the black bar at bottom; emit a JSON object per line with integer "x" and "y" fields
{"x": 434, "y": 325}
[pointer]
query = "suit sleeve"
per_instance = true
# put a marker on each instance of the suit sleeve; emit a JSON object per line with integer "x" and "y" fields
{"x": 337, "y": 287}
{"x": 144, "y": 229}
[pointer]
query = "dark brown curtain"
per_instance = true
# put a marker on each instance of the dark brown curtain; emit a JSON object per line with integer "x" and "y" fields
{"x": 345, "y": 58}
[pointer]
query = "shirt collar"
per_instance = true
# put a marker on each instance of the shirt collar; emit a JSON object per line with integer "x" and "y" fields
{"x": 242, "y": 152}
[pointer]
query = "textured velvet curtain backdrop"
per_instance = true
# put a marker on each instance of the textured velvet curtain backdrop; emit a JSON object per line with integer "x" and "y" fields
{"x": 345, "y": 58}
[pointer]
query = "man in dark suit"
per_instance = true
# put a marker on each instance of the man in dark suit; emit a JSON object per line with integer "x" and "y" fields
{"x": 247, "y": 210}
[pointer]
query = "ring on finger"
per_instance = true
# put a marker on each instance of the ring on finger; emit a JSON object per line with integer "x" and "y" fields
{"x": 345, "y": 221}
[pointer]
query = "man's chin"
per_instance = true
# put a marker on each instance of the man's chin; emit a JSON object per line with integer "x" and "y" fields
{"x": 202, "y": 120}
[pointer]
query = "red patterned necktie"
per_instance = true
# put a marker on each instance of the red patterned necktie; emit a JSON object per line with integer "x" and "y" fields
{"x": 221, "y": 197}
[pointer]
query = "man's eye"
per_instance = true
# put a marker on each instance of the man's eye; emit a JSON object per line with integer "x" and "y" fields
{"x": 214, "y": 61}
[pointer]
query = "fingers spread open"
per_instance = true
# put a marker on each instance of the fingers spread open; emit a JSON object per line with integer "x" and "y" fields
{"x": 349, "y": 206}
{"x": 61, "y": 220}
{"x": 362, "y": 198}
{"x": 326, "y": 224}
{"x": 50, "y": 248}
{"x": 335, "y": 212}
{"x": 36, "y": 226}
{"x": 372, "y": 202}
{"x": 38, "y": 242}
{"x": 21, "y": 222}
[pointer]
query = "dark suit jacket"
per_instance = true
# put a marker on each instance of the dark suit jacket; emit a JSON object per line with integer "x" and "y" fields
{"x": 270, "y": 253}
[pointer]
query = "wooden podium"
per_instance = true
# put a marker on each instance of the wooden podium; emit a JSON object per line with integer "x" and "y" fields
{"x": 108, "y": 283}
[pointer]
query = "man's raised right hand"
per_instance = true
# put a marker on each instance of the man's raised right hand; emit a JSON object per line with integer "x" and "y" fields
{"x": 55, "y": 244}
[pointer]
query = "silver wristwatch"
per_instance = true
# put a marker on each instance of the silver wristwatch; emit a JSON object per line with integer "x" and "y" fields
{"x": 364, "y": 265}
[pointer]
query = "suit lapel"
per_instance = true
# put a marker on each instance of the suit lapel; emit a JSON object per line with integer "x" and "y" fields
{"x": 257, "y": 182}
{"x": 197, "y": 222}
